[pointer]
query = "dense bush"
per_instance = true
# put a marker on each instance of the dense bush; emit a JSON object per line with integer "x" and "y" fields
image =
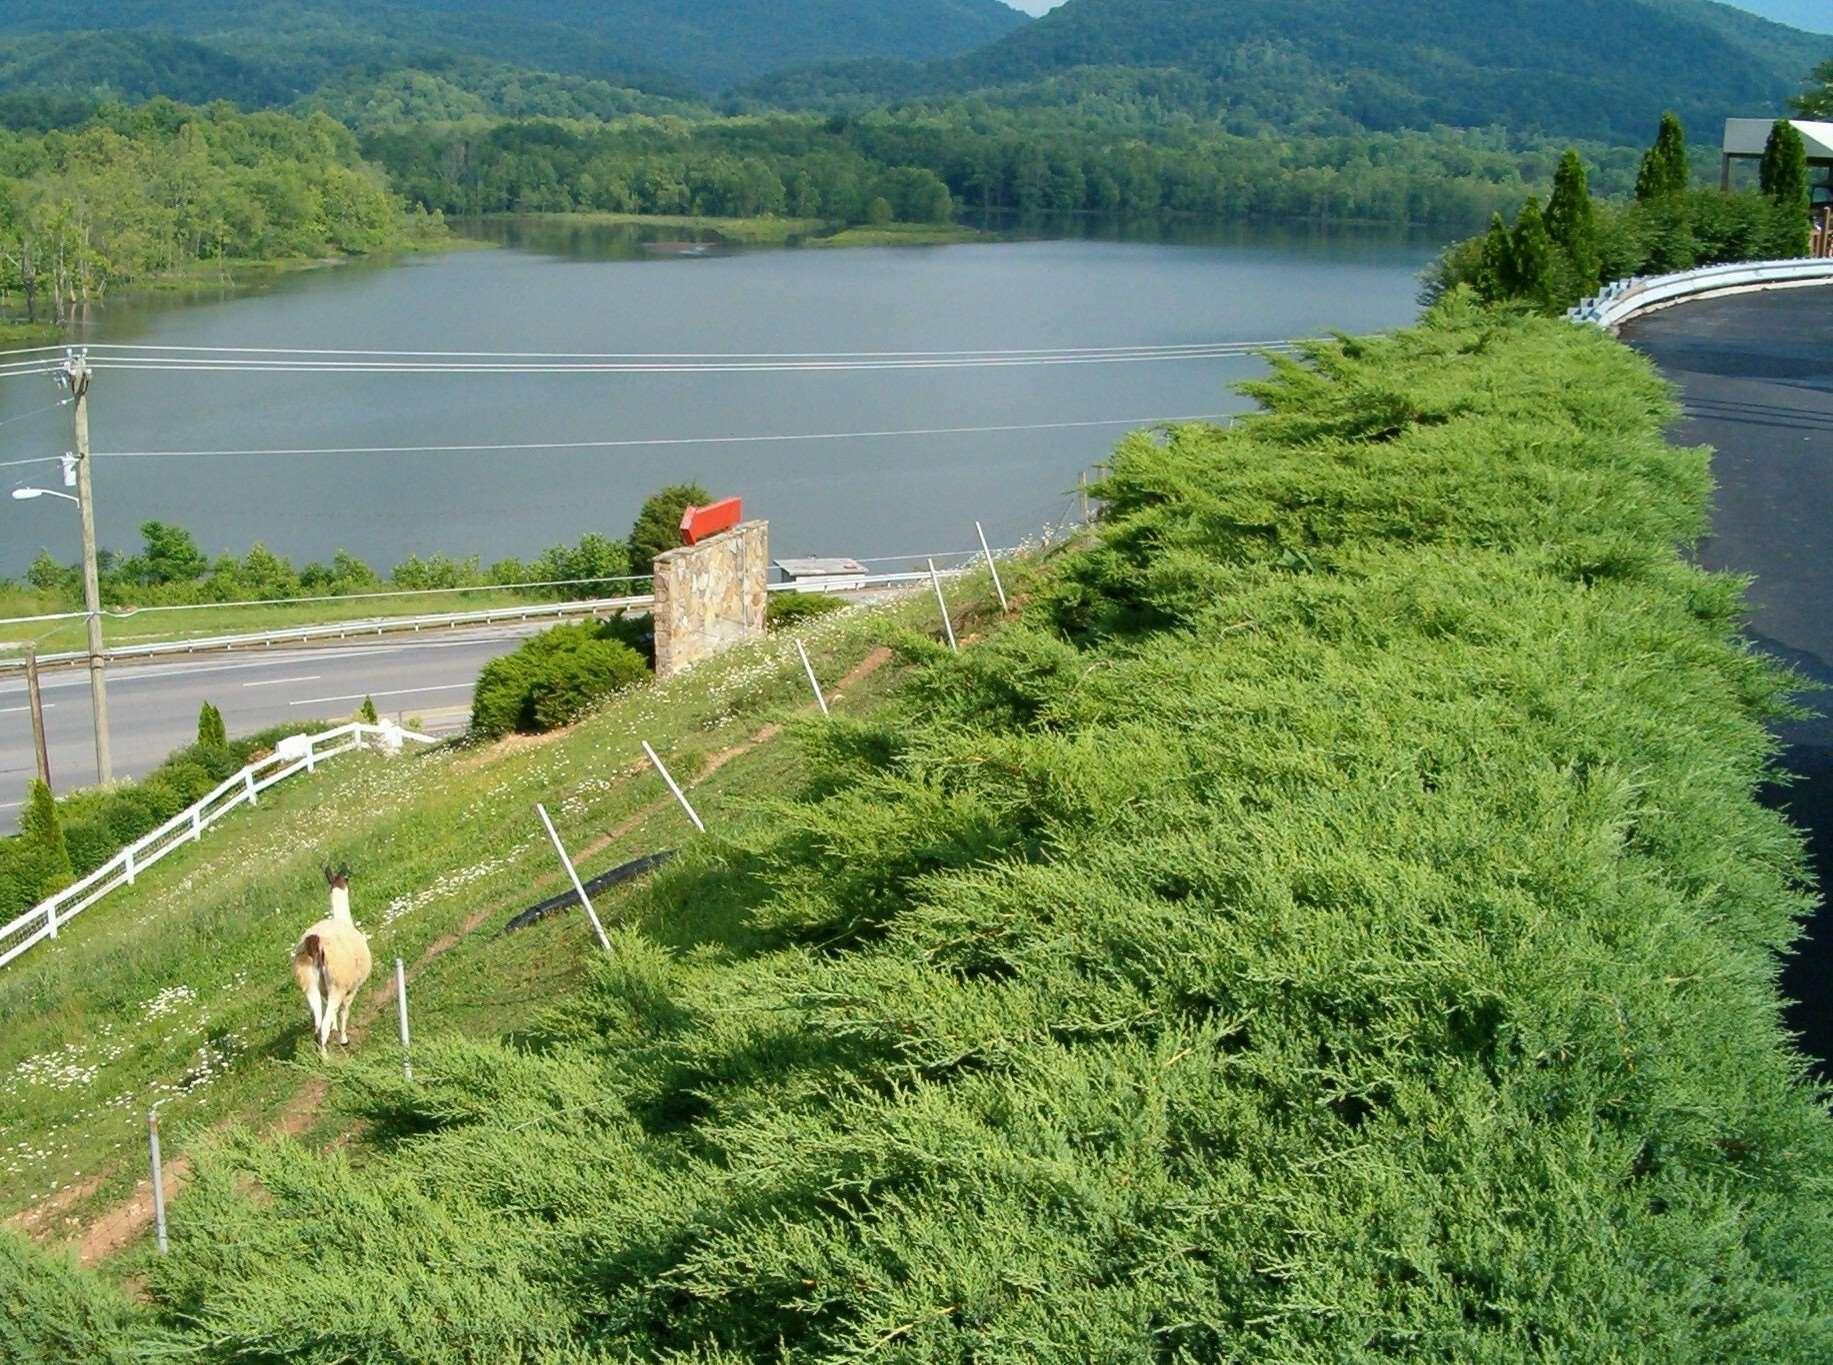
{"x": 658, "y": 523}
{"x": 553, "y": 679}
{"x": 788, "y": 608}
{"x": 1333, "y": 922}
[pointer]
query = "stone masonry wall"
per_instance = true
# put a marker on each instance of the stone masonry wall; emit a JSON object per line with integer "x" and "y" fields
{"x": 710, "y": 596}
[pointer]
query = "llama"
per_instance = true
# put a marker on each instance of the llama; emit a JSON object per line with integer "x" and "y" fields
{"x": 331, "y": 962}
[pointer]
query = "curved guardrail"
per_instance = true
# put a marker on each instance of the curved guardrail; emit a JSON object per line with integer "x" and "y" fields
{"x": 1627, "y": 299}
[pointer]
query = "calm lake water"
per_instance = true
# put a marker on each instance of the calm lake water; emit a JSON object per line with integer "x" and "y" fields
{"x": 570, "y": 288}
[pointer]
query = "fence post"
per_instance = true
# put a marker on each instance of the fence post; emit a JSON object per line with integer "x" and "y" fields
{"x": 998, "y": 587}
{"x": 51, "y": 916}
{"x": 407, "y": 1061}
{"x": 248, "y": 780}
{"x": 127, "y": 857}
{"x": 579, "y": 886}
{"x": 311, "y": 753}
{"x": 152, "y": 1142}
{"x": 679, "y": 795}
{"x": 197, "y": 822}
{"x": 942, "y": 602}
{"x": 810, "y": 669}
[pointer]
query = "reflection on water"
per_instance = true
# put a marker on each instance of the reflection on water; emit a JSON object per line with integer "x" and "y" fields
{"x": 505, "y": 464}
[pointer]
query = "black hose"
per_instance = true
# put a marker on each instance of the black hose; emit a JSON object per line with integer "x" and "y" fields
{"x": 630, "y": 871}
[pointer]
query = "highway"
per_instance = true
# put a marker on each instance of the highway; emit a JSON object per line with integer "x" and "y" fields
{"x": 153, "y": 706}
{"x": 1756, "y": 374}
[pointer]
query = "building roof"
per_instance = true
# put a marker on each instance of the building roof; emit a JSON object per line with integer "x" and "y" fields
{"x": 1748, "y": 137}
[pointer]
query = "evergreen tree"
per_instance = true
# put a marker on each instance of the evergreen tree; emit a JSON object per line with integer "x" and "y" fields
{"x": 658, "y": 524}
{"x": 1495, "y": 279}
{"x": 368, "y": 712}
{"x": 210, "y": 729}
{"x": 1572, "y": 223}
{"x": 1532, "y": 251}
{"x": 1783, "y": 172}
{"x": 40, "y": 826}
{"x": 1665, "y": 170}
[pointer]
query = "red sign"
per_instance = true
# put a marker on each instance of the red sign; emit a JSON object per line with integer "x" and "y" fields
{"x": 697, "y": 523}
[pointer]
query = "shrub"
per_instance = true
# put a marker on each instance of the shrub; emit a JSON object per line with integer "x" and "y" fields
{"x": 210, "y": 730}
{"x": 367, "y": 711}
{"x": 554, "y": 678}
{"x": 788, "y": 608}
{"x": 658, "y": 524}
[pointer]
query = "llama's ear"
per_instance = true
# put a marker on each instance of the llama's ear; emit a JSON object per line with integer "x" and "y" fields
{"x": 330, "y": 876}
{"x": 343, "y": 873}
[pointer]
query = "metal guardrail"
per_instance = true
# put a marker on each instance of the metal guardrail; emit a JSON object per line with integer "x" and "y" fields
{"x": 393, "y": 625}
{"x": 1627, "y": 299}
{"x": 296, "y": 754}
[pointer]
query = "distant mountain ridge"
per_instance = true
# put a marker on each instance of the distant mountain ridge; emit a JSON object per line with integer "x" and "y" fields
{"x": 1602, "y": 69}
{"x": 295, "y": 45}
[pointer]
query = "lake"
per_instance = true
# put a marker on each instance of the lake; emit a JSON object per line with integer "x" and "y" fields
{"x": 571, "y": 287}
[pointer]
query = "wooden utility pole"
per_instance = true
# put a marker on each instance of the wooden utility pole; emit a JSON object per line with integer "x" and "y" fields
{"x": 77, "y": 373}
{"x": 36, "y": 704}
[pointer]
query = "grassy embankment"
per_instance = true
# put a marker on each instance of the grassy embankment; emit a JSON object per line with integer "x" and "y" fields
{"x": 1335, "y": 921}
{"x": 180, "y": 989}
{"x": 231, "y": 619}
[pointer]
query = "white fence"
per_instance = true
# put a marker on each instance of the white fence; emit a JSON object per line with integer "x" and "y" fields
{"x": 296, "y": 754}
{"x": 1628, "y": 299}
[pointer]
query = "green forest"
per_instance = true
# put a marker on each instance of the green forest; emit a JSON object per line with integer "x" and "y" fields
{"x": 134, "y": 193}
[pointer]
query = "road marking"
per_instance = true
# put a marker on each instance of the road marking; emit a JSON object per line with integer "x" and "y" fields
{"x": 11, "y": 805}
{"x": 9, "y": 710}
{"x": 278, "y": 682}
{"x": 398, "y": 692}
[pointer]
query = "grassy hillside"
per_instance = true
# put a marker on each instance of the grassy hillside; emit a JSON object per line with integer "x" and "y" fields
{"x": 652, "y": 44}
{"x": 1603, "y": 69}
{"x": 1333, "y": 921}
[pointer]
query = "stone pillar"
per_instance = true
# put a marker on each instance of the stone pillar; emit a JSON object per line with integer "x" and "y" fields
{"x": 710, "y": 596}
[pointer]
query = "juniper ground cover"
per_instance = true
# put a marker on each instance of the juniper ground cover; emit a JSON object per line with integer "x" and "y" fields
{"x": 1334, "y": 921}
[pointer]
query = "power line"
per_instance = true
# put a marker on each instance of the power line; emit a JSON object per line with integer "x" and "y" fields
{"x": 180, "y": 352}
{"x": 665, "y": 440}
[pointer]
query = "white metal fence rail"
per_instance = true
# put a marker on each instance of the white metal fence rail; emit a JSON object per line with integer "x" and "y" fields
{"x": 296, "y": 754}
{"x": 1626, "y": 299}
{"x": 387, "y": 625}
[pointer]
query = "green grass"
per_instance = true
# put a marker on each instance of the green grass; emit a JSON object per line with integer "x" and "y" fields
{"x": 747, "y": 231}
{"x": 200, "y": 942}
{"x": 1333, "y": 921}
{"x": 230, "y": 619}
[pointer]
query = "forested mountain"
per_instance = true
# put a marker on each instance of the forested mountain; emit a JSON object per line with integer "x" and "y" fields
{"x": 1569, "y": 68}
{"x": 287, "y": 48}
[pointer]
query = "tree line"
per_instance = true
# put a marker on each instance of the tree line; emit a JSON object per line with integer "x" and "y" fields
{"x": 133, "y": 193}
{"x": 931, "y": 164}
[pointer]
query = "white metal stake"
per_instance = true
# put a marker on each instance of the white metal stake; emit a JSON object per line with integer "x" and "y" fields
{"x": 998, "y": 587}
{"x": 407, "y": 1064}
{"x": 152, "y": 1142}
{"x": 578, "y": 885}
{"x": 942, "y": 602}
{"x": 679, "y": 795}
{"x": 820, "y": 700}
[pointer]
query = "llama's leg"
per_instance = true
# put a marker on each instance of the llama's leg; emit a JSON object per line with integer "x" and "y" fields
{"x": 343, "y": 1020}
{"x": 327, "y": 1020}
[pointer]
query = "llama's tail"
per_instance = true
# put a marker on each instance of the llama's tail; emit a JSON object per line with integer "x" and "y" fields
{"x": 312, "y": 949}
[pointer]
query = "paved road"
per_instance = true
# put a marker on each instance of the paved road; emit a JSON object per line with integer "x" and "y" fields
{"x": 1757, "y": 374}
{"x": 153, "y": 707}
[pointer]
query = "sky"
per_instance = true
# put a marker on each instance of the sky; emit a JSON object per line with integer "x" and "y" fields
{"x": 1814, "y": 14}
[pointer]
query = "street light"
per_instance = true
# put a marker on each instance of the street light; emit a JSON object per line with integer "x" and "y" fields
{"x": 25, "y": 494}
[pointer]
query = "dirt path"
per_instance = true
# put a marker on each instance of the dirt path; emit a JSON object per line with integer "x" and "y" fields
{"x": 113, "y": 1230}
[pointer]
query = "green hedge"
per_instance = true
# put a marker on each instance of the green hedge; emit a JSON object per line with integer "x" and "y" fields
{"x": 554, "y": 678}
{"x": 98, "y": 824}
{"x": 788, "y": 608}
{"x": 1333, "y": 922}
